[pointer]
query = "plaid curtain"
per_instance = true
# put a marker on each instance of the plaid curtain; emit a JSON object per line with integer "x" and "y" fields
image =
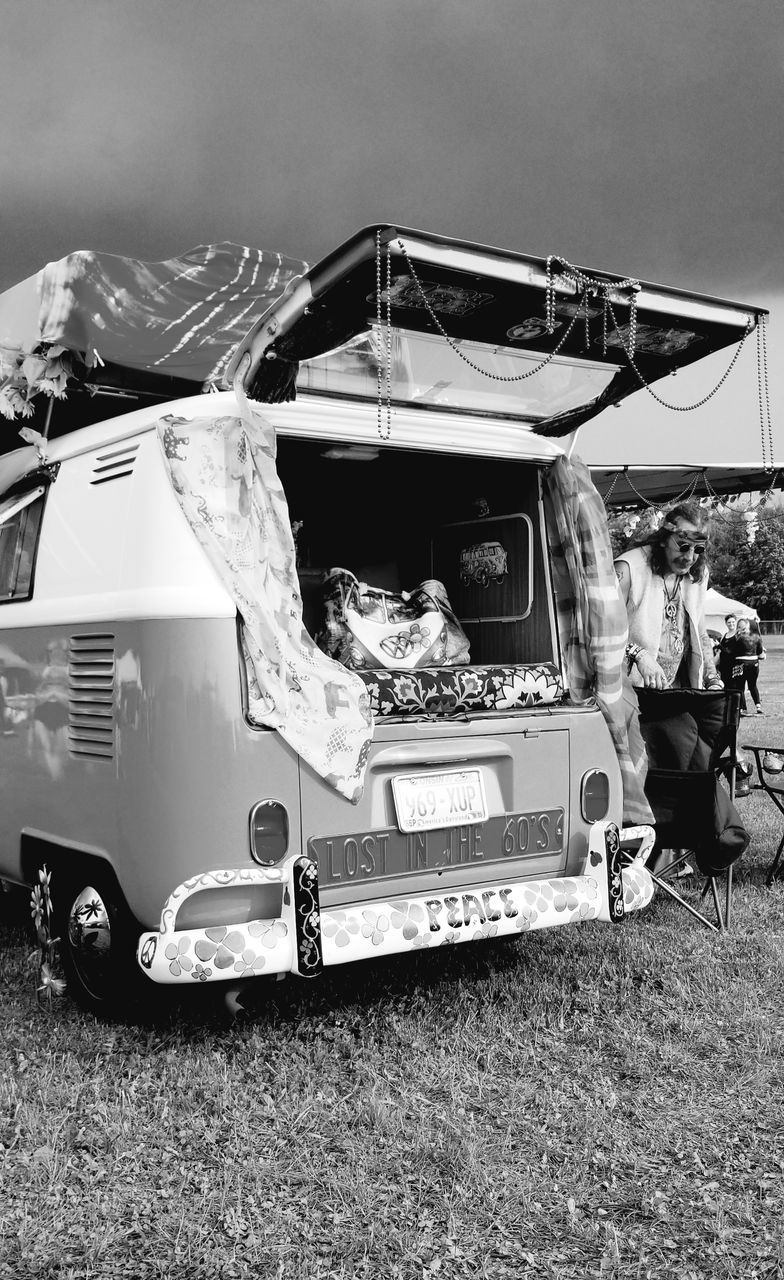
{"x": 592, "y": 620}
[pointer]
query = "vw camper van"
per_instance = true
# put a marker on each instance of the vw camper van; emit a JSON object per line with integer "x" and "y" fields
{"x": 215, "y": 798}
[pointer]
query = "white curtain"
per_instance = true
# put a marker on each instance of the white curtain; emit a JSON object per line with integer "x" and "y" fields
{"x": 224, "y": 474}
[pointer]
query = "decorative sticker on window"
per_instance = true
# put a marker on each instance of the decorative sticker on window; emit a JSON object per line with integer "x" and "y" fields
{"x": 657, "y": 342}
{"x": 581, "y": 307}
{"x": 530, "y": 329}
{"x": 446, "y": 299}
{"x": 536, "y": 326}
{"x": 483, "y": 563}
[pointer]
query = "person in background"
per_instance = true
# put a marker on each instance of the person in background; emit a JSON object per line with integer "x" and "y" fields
{"x": 724, "y": 659}
{"x": 747, "y": 651}
{"x": 663, "y": 583}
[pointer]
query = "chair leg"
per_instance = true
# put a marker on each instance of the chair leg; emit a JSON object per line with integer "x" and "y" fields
{"x": 770, "y": 877}
{"x": 721, "y": 919}
{"x": 675, "y": 864}
{"x": 692, "y": 910}
{"x": 711, "y": 884}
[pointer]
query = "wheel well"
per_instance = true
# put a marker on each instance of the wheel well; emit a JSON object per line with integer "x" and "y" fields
{"x": 65, "y": 857}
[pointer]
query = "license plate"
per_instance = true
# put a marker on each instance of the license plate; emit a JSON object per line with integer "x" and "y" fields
{"x": 424, "y": 801}
{"x": 388, "y": 853}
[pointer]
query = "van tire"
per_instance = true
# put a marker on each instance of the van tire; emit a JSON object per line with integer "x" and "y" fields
{"x": 98, "y": 937}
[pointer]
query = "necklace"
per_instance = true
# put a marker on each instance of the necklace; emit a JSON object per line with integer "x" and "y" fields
{"x": 672, "y": 600}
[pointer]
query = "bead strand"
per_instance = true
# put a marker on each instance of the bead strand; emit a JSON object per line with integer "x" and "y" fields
{"x": 487, "y": 373}
{"x": 676, "y": 408}
{"x": 384, "y": 336}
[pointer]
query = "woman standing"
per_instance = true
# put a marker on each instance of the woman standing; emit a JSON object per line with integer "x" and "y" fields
{"x": 746, "y": 651}
{"x": 724, "y": 660}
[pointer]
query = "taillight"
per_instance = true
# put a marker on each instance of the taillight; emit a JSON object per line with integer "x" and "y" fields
{"x": 269, "y": 832}
{"x": 595, "y": 795}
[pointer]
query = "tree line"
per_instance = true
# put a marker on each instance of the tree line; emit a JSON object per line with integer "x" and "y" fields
{"x": 745, "y": 552}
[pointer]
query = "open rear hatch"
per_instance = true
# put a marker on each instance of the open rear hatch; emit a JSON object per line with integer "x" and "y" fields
{"x": 559, "y": 343}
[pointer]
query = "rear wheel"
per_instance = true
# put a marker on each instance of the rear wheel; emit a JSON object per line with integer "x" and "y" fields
{"x": 98, "y": 937}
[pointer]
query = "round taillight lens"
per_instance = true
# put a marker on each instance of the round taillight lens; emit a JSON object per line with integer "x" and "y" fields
{"x": 269, "y": 832}
{"x": 595, "y": 795}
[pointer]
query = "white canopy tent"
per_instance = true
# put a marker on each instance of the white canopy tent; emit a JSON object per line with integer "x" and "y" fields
{"x": 718, "y": 606}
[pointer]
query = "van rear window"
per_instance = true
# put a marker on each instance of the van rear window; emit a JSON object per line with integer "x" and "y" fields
{"x": 20, "y": 522}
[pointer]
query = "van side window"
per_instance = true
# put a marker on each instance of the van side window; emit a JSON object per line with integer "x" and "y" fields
{"x": 20, "y": 522}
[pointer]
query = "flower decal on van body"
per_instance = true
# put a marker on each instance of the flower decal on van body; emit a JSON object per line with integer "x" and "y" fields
{"x": 249, "y": 964}
{"x": 177, "y": 955}
{"x": 375, "y": 926}
{"x": 340, "y": 926}
{"x": 409, "y": 917}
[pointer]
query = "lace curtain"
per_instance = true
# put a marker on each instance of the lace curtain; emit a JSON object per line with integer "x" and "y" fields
{"x": 225, "y": 478}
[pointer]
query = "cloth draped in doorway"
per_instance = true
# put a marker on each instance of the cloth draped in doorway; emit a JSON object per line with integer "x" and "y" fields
{"x": 225, "y": 477}
{"x": 592, "y": 620}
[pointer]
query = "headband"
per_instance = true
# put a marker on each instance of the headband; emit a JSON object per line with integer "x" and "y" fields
{"x": 682, "y": 533}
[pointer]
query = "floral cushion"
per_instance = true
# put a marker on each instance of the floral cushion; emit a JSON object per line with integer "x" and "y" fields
{"x": 445, "y": 691}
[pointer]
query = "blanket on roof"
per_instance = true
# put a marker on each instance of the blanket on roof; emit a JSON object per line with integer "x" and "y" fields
{"x": 182, "y": 317}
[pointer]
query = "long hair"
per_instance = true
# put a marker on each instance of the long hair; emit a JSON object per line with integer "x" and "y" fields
{"x": 695, "y": 515}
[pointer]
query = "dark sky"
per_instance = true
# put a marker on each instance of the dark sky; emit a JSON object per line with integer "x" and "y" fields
{"x": 644, "y": 138}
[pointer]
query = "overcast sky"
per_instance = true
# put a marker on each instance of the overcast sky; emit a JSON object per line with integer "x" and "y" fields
{"x": 643, "y": 137}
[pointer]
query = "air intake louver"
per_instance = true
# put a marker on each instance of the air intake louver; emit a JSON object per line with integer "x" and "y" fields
{"x": 91, "y": 723}
{"x": 115, "y": 465}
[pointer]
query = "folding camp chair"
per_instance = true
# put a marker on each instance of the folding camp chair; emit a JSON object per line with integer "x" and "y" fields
{"x": 691, "y": 739}
{"x": 770, "y": 780}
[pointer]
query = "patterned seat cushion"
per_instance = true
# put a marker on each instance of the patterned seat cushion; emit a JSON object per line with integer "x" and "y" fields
{"x": 445, "y": 691}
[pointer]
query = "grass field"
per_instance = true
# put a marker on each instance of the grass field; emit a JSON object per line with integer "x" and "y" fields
{"x": 592, "y": 1101}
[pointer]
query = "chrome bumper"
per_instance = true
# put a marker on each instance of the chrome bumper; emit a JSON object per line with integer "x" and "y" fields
{"x": 305, "y": 937}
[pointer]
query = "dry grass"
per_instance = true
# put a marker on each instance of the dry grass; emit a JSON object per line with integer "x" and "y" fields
{"x": 593, "y": 1101}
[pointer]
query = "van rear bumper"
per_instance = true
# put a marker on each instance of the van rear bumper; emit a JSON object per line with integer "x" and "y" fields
{"x": 305, "y": 938}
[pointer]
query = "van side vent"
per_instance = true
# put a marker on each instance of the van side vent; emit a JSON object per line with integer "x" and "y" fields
{"x": 115, "y": 464}
{"x": 91, "y": 681}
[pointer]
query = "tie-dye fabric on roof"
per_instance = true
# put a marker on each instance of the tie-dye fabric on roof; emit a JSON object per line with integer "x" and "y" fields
{"x": 182, "y": 317}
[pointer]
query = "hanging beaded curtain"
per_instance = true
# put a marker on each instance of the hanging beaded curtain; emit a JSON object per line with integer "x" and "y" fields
{"x": 592, "y": 620}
